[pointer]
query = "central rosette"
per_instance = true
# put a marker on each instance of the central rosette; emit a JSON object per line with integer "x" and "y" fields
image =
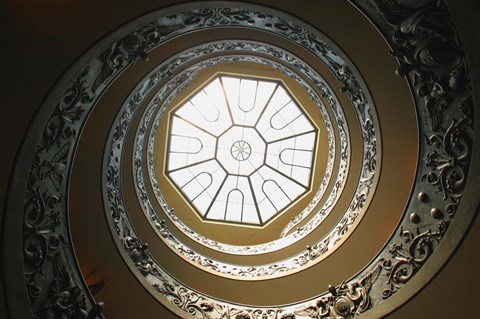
{"x": 241, "y": 150}
{"x": 247, "y": 148}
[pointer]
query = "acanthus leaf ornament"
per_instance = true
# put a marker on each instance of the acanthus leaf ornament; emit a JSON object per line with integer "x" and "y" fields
{"x": 62, "y": 124}
{"x": 448, "y": 167}
{"x": 430, "y": 55}
{"x": 409, "y": 256}
{"x": 128, "y": 50}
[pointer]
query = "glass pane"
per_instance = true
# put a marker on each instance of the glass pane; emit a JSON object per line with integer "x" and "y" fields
{"x": 241, "y": 150}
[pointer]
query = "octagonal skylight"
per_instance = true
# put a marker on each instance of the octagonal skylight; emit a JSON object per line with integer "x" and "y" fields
{"x": 241, "y": 150}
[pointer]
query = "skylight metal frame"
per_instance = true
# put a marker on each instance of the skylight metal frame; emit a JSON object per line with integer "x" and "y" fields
{"x": 290, "y": 195}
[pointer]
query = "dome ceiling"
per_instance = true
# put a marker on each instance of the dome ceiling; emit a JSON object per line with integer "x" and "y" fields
{"x": 247, "y": 166}
{"x": 243, "y": 155}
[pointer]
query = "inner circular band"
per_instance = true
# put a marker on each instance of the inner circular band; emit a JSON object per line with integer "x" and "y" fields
{"x": 241, "y": 150}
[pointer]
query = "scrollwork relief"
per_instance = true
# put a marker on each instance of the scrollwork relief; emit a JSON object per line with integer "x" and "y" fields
{"x": 409, "y": 256}
{"x": 430, "y": 55}
{"x": 45, "y": 247}
{"x": 66, "y": 299}
{"x": 448, "y": 158}
{"x": 441, "y": 82}
{"x": 128, "y": 50}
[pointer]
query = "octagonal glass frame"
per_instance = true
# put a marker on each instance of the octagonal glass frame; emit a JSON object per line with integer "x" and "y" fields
{"x": 241, "y": 149}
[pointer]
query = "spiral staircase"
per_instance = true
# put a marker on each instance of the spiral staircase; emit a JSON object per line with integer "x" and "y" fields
{"x": 97, "y": 225}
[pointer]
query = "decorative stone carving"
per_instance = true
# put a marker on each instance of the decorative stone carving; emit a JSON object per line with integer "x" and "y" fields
{"x": 409, "y": 256}
{"x": 344, "y": 301}
{"x": 66, "y": 300}
{"x": 441, "y": 83}
{"x": 430, "y": 54}
{"x": 48, "y": 271}
{"x": 125, "y": 52}
{"x": 138, "y": 252}
{"x": 449, "y": 157}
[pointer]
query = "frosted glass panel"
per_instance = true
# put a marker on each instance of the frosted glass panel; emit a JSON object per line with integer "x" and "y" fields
{"x": 241, "y": 150}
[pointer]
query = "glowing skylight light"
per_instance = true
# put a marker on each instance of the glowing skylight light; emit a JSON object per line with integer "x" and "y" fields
{"x": 241, "y": 150}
